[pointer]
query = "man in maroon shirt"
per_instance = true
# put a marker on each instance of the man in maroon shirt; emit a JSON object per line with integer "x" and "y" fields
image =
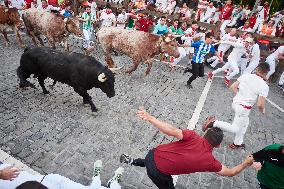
{"x": 190, "y": 154}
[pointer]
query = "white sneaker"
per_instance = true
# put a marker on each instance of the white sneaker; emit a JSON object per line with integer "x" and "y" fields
{"x": 117, "y": 176}
{"x": 97, "y": 168}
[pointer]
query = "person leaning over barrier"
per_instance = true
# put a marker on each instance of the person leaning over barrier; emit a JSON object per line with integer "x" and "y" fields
{"x": 192, "y": 153}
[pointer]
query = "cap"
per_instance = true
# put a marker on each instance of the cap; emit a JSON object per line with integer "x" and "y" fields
{"x": 249, "y": 39}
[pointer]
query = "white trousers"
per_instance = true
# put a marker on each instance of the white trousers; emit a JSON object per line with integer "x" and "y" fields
{"x": 232, "y": 22}
{"x": 223, "y": 26}
{"x": 251, "y": 66}
{"x": 87, "y": 36}
{"x": 215, "y": 60}
{"x": 239, "y": 124}
{"x": 182, "y": 53}
{"x": 232, "y": 65}
{"x": 271, "y": 61}
{"x": 281, "y": 80}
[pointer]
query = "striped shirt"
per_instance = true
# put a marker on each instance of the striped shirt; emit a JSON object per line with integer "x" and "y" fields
{"x": 201, "y": 50}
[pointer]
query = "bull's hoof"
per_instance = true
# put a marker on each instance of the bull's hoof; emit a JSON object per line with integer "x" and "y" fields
{"x": 94, "y": 110}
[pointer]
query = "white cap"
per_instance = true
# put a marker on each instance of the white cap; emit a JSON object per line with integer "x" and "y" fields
{"x": 249, "y": 39}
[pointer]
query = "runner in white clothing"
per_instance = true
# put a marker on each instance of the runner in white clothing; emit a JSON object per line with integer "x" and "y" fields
{"x": 249, "y": 88}
{"x": 253, "y": 60}
{"x": 223, "y": 47}
{"x": 55, "y": 181}
{"x": 240, "y": 49}
{"x": 273, "y": 58}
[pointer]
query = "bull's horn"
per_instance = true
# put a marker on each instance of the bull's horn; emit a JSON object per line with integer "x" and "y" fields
{"x": 102, "y": 77}
{"x": 114, "y": 69}
{"x": 65, "y": 20}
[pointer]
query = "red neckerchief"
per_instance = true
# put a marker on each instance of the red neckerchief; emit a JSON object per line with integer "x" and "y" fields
{"x": 261, "y": 76}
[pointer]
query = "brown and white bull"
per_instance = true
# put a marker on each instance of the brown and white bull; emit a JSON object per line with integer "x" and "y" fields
{"x": 10, "y": 20}
{"x": 139, "y": 46}
{"x": 54, "y": 27}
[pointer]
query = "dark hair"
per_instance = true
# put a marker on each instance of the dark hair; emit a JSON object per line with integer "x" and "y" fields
{"x": 163, "y": 17}
{"x": 214, "y": 136}
{"x": 208, "y": 35}
{"x": 263, "y": 67}
{"x": 31, "y": 185}
{"x": 108, "y": 6}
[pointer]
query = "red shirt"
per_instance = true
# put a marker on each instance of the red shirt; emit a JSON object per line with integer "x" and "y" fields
{"x": 28, "y": 3}
{"x": 53, "y": 3}
{"x": 145, "y": 24}
{"x": 189, "y": 155}
{"x": 226, "y": 12}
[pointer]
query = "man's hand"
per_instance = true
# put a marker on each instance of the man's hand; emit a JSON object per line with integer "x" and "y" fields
{"x": 9, "y": 173}
{"x": 249, "y": 160}
{"x": 141, "y": 113}
{"x": 257, "y": 165}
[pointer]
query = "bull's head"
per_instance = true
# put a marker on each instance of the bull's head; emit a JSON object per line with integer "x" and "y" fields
{"x": 72, "y": 26}
{"x": 169, "y": 45}
{"x": 14, "y": 17}
{"x": 106, "y": 82}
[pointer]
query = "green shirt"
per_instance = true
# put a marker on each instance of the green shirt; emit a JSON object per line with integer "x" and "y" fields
{"x": 270, "y": 174}
{"x": 130, "y": 23}
{"x": 87, "y": 25}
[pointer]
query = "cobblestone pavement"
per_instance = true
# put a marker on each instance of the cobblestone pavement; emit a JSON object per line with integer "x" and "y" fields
{"x": 55, "y": 133}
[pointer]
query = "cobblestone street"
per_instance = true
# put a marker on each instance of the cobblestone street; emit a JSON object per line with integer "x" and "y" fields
{"x": 56, "y": 133}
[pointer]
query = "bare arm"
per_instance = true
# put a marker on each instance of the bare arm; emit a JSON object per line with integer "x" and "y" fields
{"x": 261, "y": 104}
{"x": 237, "y": 169}
{"x": 234, "y": 87}
{"x": 281, "y": 57}
{"x": 162, "y": 126}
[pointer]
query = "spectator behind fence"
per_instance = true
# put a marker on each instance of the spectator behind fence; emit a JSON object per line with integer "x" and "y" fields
{"x": 226, "y": 11}
{"x": 184, "y": 12}
{"x": 267, "y": 29}
{"x": 280, "y": 30}
{"x": 161, "y": 28}
{"x": 170, "y": 7}
{"x": 210, "y": 11}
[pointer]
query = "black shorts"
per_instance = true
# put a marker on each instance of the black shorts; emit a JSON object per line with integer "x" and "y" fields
{"x": 197, "y": 69}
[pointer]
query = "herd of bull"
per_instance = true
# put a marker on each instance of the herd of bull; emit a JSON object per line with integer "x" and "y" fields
{"x": 79, "y": 71}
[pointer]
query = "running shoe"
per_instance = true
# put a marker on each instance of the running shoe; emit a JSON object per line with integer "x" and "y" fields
{"x": 97, "y": 168}
{"x": 210, "y": 75}
{"x": 124, "y": 158}
{"x": 117, "y": 176}
{"x": 234, "y": 146}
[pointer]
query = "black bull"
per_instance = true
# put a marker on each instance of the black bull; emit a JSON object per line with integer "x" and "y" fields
{"x": 77, "y": 70}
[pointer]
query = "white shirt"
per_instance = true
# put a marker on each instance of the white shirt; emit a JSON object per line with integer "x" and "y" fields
{"x": 255, "y": 53}
{"x": 209, "y": 12}
{"x": 224, "y": 47}
{"x": 238, "y": 51}
{"x": 94, "y": 7}
{"x": 18, "y": 4}
{"x": 250, "y": 88}
{"x": 107, "y": 19}
{"x": 275, "y": 55}
{"x": 121, "y": 18}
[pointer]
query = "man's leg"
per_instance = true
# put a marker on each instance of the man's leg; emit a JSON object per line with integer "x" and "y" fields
{"x": 195, "y": 73}
{"x": 162, "y": 181}
{"x": 96, "y": 181}
{"x": 281, "y": 80}
{"x": 252, "y": 66}
{"x": 225, "y": 67}
{"x": 271, "y": 63}
{"x": 235, "y": 69}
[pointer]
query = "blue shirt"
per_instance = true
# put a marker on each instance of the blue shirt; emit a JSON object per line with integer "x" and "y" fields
{"x": 201, "y": 50}
{"x": 161, "y": 29}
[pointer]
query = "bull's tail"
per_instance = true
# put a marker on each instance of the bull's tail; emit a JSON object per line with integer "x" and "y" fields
{"x": 23, "y": 80}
